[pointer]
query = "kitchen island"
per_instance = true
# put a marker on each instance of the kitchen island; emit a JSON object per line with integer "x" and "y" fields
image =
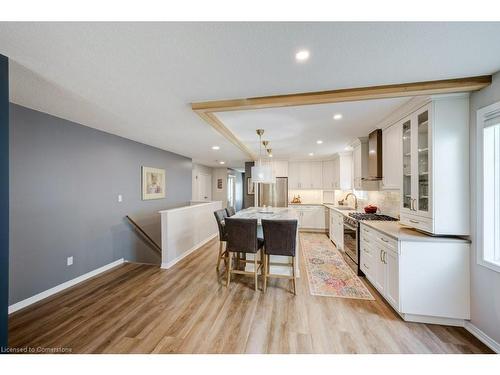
{"x": 273, "y": 213}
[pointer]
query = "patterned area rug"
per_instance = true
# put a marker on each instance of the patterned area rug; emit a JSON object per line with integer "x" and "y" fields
{"x": 327, "y": 272}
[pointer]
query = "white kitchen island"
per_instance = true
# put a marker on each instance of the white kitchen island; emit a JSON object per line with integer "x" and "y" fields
{"x": 273, "y": 213}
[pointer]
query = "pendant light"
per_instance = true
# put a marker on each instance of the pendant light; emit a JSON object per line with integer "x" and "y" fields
{"x": 261, "y": 173}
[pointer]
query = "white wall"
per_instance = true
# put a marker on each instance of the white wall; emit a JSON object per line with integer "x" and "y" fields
{"x": 485, "y": 283}
{"x": 220, "y": 195}
{"x": 197, "y": 169}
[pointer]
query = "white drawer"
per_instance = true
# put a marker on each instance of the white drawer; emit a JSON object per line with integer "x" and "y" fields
{"x": 417, "y": 222}
{"x": 366, "y": 259}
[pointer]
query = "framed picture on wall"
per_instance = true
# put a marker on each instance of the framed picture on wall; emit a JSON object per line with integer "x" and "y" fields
{"x": 219, "y": 184}
{"x": 153, "y": 183}
{"x": 250, "y": 186}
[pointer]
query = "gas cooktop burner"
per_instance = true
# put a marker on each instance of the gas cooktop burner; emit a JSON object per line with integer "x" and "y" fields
{"x": 362, "y": 216}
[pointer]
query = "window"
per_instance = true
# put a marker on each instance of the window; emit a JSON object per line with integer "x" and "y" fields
{"x": 488, "y": 228}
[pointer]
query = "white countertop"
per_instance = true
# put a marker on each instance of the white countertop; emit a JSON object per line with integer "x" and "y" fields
{"x": 400, "y": 232}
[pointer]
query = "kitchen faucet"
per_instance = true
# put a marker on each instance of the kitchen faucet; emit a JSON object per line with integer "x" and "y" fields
{"x": 355, "y": 200}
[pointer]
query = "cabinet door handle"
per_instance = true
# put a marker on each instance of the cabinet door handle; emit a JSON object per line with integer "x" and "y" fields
{"x": 414, "y": 204}
{"x": 414, "y": 221}
{"x": 385, "y": 257}
{"x": 381, "y": 260}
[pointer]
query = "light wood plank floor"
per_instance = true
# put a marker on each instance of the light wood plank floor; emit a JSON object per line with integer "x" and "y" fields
{"x": 138, "y": 308}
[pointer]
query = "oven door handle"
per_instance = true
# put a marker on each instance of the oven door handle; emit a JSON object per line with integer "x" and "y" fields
{"x": 350, "y": 227}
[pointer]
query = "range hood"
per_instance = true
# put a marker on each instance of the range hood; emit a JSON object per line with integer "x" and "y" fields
{"x": 374, "y": 156}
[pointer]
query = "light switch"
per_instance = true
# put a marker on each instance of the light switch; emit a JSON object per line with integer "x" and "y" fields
{"x": 69, "y": 261}
{"x": 120, "y": 198}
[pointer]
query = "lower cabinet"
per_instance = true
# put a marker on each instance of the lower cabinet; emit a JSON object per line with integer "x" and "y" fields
{"x": 424, "y": 280}
{"x": 311, "y": 217}
{"x": 336, "y": 229}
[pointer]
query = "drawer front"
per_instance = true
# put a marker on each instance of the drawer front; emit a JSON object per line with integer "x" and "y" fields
{"x": 366, "y": 259}
{"x": 386, "y": 242}
{"x": 417, "y": 222}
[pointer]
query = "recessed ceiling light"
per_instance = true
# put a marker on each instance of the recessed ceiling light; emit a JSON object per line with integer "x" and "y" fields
{"x": 311, "y": 154}
{"x": 337, "y": 116}
{"x": 302, "y": 55}
{"x": 222, "y": 162}
{"x": 319, "y": 141}
{"x": 215, "y": 148}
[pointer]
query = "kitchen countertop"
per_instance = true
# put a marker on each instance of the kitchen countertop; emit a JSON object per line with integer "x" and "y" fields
{"x": 305, "y": 204}
{"x": 400, "y": 232}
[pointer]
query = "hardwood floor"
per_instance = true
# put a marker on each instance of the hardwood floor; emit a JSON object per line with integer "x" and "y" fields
{"x": 139, "y": 308}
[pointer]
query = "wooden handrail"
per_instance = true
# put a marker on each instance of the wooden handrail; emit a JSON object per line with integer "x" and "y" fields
{"x": 136, "y": 226}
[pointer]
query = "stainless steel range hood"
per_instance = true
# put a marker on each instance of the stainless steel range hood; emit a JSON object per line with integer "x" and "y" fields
{"x": 374, "y": 156}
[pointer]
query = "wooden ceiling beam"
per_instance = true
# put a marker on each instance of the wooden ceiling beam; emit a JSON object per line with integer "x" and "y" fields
{"x": 344, "y": 95}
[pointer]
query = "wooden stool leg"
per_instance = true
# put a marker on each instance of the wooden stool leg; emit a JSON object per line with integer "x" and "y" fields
{"x": 264, "y": 272}
{"x": 220, "y": 256}
{"x": 228, "y": 269}
{"x": 255, "y": 277}
{"x": 293, "y": 277}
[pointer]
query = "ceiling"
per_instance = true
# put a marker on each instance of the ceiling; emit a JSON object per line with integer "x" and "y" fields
{"x": 136, "y": 80}
{"x": 294, "y": 131}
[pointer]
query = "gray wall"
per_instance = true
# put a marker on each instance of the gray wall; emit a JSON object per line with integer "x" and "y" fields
{"x": 485, "y": 283}
{"x": 64, "y": 183}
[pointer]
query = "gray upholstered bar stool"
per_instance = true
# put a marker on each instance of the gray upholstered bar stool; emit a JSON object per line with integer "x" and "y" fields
{"x": 242, "y": 238}
{"x": 280, "y": 238}
{"x": 230, "y": 211}
{"x": 220, "y": 216}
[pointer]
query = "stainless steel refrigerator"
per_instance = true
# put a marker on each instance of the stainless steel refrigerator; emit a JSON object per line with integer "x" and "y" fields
{"x": 275, "y": 195}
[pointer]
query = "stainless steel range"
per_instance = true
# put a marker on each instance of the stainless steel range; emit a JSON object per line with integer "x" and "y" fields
{"x": 351, "y": 234}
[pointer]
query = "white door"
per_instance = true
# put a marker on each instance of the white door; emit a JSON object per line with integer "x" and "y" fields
{"x": 305, "y": 175}
{"x": 379, "y": 269}
{"x": 391, "y": 260}
{"x": 204, "y": 187}
{"x": 293, "y": 175}
{"x": 316, "y": 179}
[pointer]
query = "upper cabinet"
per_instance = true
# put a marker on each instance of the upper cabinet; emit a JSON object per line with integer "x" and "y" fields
{"x": 328, "y": 180}
{"x": 435, "y": 167}
{"x": 305, "y": 175}
{"x": 392, "y": 157}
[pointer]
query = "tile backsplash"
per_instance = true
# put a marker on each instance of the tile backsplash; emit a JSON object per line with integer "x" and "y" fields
{"x": 387, "y": 201}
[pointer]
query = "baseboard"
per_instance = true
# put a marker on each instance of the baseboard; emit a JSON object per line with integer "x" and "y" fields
{"x": 483, "y": 337}
{"x": 40, "y": 296}
{"x": 186, "y": 253}
{"x": 432, "y": 320}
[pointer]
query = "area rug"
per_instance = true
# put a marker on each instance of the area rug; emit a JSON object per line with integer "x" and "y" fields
{"x": 327, "y": 272}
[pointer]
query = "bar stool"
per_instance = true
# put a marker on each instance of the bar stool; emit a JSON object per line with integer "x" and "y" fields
{"x": 220, "y": 216}
{"x": 242, "y": 238}
{"x": 280, "y": 238}
{"x": 230, "y": 211}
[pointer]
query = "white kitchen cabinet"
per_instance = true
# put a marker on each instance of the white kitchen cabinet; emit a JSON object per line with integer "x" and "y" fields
{"x": 280, "y": 168}
{"x": 316, "y": 181}
{"x": 328, "y": 180}
{"x": 435, "y": 167}
{"x": 392, "y": 156}
{"x": 424, "y": 278}
{"x": 311, "y": 217}
{"x": 342, "y": 171}
{"x": 336, "y": 228}
{"x": 305, "y": 175}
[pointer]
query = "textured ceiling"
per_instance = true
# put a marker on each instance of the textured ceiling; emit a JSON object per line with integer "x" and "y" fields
{"x": 137, "y": 79}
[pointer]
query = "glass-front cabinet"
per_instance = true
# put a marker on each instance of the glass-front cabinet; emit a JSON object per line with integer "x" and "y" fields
{"x": 406, "y": 137}
{"x": 416, "y": 141}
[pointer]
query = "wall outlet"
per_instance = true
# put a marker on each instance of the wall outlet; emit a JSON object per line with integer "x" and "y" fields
{"x": 69, "y": 261}
{"x": 120, "y": 198}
